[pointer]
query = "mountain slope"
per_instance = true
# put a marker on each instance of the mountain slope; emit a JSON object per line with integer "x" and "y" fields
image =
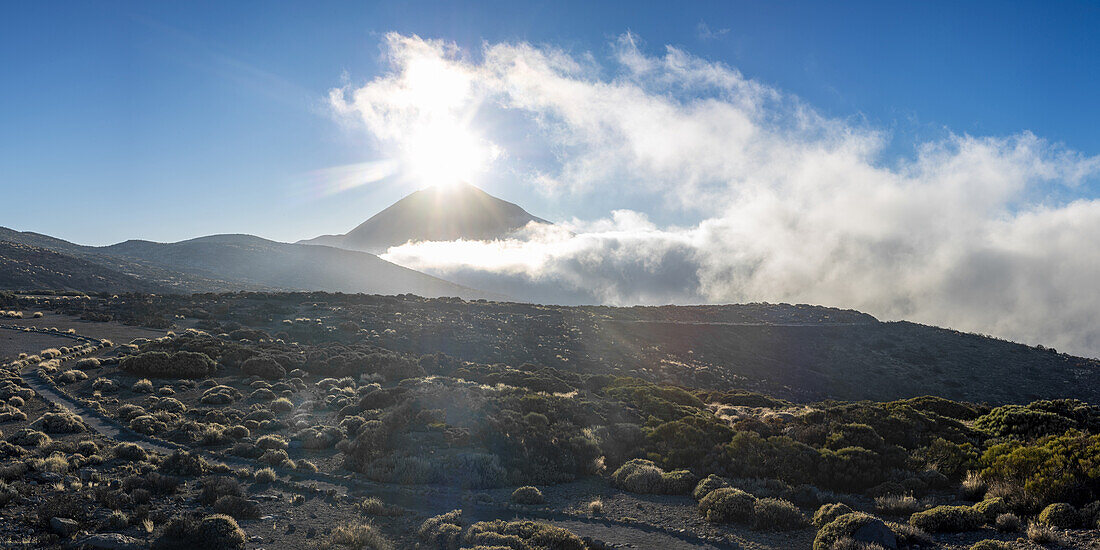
{"x": 26, "y": 267}
{"x": 222, "y": 263}
{"x": 434, "y": 214}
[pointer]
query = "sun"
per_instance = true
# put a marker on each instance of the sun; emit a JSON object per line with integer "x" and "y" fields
{"x": 446, "y": 153}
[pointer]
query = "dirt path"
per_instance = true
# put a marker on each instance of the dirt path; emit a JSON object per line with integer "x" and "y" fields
{"x": 615, "y": 534}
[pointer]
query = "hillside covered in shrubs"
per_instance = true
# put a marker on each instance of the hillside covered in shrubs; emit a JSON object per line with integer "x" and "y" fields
{"x": 561, "y": 455}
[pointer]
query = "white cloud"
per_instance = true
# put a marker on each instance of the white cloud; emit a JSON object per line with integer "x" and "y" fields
{"x": 793, "y": 206}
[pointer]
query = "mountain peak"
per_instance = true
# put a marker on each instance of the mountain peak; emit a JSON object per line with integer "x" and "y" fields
{"x": 438, "y": 213}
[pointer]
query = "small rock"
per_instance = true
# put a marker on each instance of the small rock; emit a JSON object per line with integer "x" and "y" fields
{"x": 876, "y": 532}
{"x": 64, "y": 526}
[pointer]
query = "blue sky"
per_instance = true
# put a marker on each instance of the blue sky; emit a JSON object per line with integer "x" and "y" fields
{"x": 172, "y": 120}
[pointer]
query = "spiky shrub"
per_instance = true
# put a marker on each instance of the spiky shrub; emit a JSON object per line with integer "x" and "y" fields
{"x": 727, "y": 505}
{"x": 356, "y": 535}
{"x": 143, "y": 386}
{"x": 947, "y": 519}
{"x": 265, "y": 475}
{"x": 828, "y": 512}
{"x": 896, "y": 505}
{"x": 1042, "y": 534}
{"x": 1009, "y": 523}
{"x": 777, "y": 514}
{"x": 528, "y": 495}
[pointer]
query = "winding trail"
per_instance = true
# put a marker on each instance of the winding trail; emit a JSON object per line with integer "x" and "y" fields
{"x": 613, "y": 533}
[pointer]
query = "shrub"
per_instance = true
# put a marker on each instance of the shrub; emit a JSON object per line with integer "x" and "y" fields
{"x": 522, "y": 534}
{"x": 528, "y": 495}
{"x": 129, "y": 451}
{"x": 1060, "y": 515}
{"x": 214, "y": 488}
{"x": 708, "y": 484}
{"x": 1008, "y": 523}
{"x": 271, "y": 442}
{"x": 216, "y": 532}
{"x": 727, "y": 505}
{"x": 947, "y": 519}
{"x": 158, "y": 364}
{"x": 990, "y": 508}
{"x": 777, "y": 514}
{"x": 104, "y": 385}
{"x": 27, "y": 437}
{"x": 59, "y": 423}
{"x": 148, "y": 425}
{"x": 442, "y": 531}
{"x": 236, "y": 506}
{"x": 990, "y": 544}
{"x": 220, "y": 395}
{"x": 1042, "y": 534}
{"x": 264, "y": 367}
{"x": 281, "y": 404}
{"x": 143, "y": 386}
{"x": 265, "y": 475}
{"x": 184, "y": 463}
{"x": 678, "y": 482}
{"x": 828, "y": 512}
{"x": 87, "y": 363}
{"x": 643, "y": 476}
{"x": 896, "y": 505}
{"x": 595, "y": 507}
{"x": 70, "y": 376}
{"x": 1052, "y": 469}
{"x": 357, "y": 535}
{"x": 847, "y": 525}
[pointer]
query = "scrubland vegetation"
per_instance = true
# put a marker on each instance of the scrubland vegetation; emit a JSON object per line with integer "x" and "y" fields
{"x": 269, "y": 397}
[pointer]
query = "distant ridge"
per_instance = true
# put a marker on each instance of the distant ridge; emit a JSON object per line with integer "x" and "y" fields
{"x": 220, "y": 263}
{"x": 434, "y": 214}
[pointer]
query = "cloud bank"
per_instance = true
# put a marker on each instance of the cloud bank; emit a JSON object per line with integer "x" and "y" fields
{"x": 973, "y": 233}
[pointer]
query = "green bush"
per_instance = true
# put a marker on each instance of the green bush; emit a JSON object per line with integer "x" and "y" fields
{"x": 728, "y": 505}
{"x": 947, "y": 519}
{"x": 828, "y": 512}
{"x": 990, "y": 508}
{"x": 1060, "y": 515}
{"x": 639, "y": 476}
{"x": 777, "y": 514}
{"x": 678, "y": 482}
{"x": 158, "y": 364}
{"x": 708, "y": 484}
{"x": 1063, "y": 468}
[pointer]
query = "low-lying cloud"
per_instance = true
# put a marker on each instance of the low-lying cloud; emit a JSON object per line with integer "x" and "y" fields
{"x": 975, "y": 233}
